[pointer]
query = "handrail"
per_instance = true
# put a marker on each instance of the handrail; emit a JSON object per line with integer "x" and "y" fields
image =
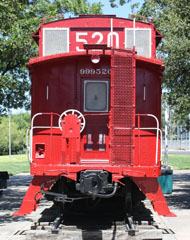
{"x": 32, "y": 128}
{"x": 139, "y": 16}
{"x": 158, "y": 130}
{"x": 27, "y": 144}
{"x": 48, "y": 18}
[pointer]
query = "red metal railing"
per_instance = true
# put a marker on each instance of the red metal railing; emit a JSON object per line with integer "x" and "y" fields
{"x": 51, "y": 127}
{"x": 139, "y": 130}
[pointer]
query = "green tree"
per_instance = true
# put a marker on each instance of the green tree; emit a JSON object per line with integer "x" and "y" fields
{"x": 19, "y": 124}
{"x": 18, "y": 20}
{"x": 133, "y": 5}
{"x": 172, "y": 18}
{"x": 22, "y": 120}
{"x": 114, "y": 3}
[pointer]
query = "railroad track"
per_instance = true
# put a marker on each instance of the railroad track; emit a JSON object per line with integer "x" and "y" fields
{"x": 72, "y": 223}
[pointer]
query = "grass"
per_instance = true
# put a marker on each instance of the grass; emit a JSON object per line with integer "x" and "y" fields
{"x": 179, "y": 162}
{"x": 17, "y": 164}
{"x": 20, "y": 164}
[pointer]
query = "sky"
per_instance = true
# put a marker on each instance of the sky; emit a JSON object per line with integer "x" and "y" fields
{"x": 120, "y": 11}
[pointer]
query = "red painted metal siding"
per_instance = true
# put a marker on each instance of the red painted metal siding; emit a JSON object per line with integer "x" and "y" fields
{"x": 96, "y": 30}
{"x": 65, "y": 77}
{"x": 148, "y": 101}
{"x": 126, "y": 146}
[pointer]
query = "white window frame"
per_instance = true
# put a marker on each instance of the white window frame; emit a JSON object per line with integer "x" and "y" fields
{"x": 107, "y": 100}
{"x": 150, "y": 39}
{"x": 46, "y": 29}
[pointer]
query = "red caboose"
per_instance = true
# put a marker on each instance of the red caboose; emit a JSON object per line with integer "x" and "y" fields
{"x": 96, "y": 111}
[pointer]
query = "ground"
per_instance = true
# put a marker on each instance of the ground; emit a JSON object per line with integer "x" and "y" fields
{"x": 178, "y": 201}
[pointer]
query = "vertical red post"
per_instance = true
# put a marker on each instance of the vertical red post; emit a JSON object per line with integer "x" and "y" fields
{"x": 139, "y": 137}
{"x": 71, "y": 139}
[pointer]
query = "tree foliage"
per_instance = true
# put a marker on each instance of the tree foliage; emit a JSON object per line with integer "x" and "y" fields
{"x": 114, "y": 3}
{"x": 133, "y": 4}
{"x": 172, "y": 19}
{"x": 19, "y": 124}
{"x": 19, "y": 19}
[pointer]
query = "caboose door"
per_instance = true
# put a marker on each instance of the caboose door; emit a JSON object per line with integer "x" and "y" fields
{"x": 122, "y": 109}
{"x": 95, "y": 105}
